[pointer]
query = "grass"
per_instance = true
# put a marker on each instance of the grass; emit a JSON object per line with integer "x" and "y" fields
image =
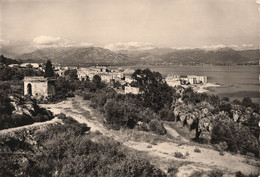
{"x": 183, "y": 131}
{"x": 141, "y": 136}
{"x": 187, "y": 134}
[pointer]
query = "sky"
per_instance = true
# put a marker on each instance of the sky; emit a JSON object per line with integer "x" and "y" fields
{"x": 129, "y": 24}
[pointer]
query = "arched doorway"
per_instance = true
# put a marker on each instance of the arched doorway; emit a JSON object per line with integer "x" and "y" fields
{"x": 29, "y": 89}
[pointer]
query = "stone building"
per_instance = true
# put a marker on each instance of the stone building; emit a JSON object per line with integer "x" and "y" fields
{"x": 39, "y": 86}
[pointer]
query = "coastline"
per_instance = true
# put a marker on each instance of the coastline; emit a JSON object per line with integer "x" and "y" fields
{"x": 202, "y": 88}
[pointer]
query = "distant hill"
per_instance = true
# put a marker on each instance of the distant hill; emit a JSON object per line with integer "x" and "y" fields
{"x": 8, "y": 61}
{"x": 77, "y": 55}
{"x": 223, "y": 56}
{"x": 156, "y": 56}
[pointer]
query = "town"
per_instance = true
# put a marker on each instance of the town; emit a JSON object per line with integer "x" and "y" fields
{"x": 108, "y": 74}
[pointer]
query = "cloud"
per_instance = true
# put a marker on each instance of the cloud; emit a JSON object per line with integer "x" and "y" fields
{"x": 49, "y": 41}
{"x": 4, "y": 43}
{"x": 83, "y": 44}
{"x": 233, "y": 46}
{"x": 219, "y": 46}
{"x": 130, "y": 46}
{"x": 182, "y": 48}
{"x": 213, "y": 47}
{"x": 46, "y": 40}
{"x": 248, "y": 45}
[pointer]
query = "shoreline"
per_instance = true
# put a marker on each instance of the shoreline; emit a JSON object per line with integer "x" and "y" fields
{"x": 203, "y": 88}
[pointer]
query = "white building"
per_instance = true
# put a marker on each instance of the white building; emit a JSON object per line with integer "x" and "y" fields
{"x": 194, "y": 79}
{"x": 14, "y": 65}
{"x": 34, "y": 65}
{"x": 128, "y": 79}
{"x": 173, "y": 80}
{"x": 133, "y": 90}
{"x": 106, "y": 77}
{"x": 39, "y": 86}
{"x": 117, "y": 76}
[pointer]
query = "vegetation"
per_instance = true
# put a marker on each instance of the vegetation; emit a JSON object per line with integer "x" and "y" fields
{"x": 129, "y": 110}
{"x": 231, "y": 126}
{"x": 71, "y": 74}
{"x": 219, "y": 121}
{"x": 179, "y": 155}
{"x": 49, "y": 69}
{"x": 45, "y": 153}
{"x": 7, "y": 61}
{"x": 7, "y": 73}
{"x": 18, "y": 110}
{"x": 156, "y": 94}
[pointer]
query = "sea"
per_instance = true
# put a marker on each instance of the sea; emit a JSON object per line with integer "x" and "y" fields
{"x": 236, "y": 82}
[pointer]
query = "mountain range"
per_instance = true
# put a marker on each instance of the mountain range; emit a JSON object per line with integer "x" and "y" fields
{"x": 156, "y": 56}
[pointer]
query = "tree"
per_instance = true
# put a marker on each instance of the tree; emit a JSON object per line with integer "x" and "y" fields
{"x": 72, "y": 74}
{"x": 49, "y": 70}
{"x": 247, "y": 102}
{"x": 156, "y": 93}
{"x": 196, "y": 116}
{"x": 5, "y": 104}
{"x": 97, "y": 82}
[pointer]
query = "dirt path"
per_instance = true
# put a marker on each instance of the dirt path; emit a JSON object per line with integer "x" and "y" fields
{"x": 208, "y": 159}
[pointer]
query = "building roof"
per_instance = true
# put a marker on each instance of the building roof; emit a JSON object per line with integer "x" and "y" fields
{"x": 38, "y": 78}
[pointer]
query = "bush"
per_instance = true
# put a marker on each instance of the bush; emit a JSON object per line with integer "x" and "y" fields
{"x": 216, "y": 173}
{"x": 221, "y": 153}
{"x": 157, "y": 127}
{"x": 178, "y": 155}
{"x": 149, "y": 146}
{"x": 250, "y": 154}
{"x": 87, "y": 96}
{"x": 222, "y": 146}
{"x": 62, "y": 151}
{"x": 197, "y": 174}
{"x": 240, "y": 174}
{"x": 197, "y": 150}
{"x": 237, "y": 137}
{"x": 166, "y": 114}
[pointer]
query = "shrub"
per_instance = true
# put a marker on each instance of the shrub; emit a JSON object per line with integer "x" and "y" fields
{"x": 222, "y": 146}
{"x": 149, "y": 146}
{"x": 73, "y": 154}
{"x": 216, "y": 173}
{"x": 166, "y": 114}
{"x": 87, "y": 96}
{"x": 250, "y": 154}
{"x": 197, "y": 150}
{"x": 237, "y": 137}
{"x": 221, "y": 153}
{"x": 157, "y": 127}
{"x": 178, "y": 155}
{"x": 240, "y": 174}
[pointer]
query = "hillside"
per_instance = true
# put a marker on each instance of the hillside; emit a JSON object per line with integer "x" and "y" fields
{"x": 77, "y": 55}
{"x": 224, "y": 56}
{"x": 156, "y": 56}
{"x": 8, "y": 61}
